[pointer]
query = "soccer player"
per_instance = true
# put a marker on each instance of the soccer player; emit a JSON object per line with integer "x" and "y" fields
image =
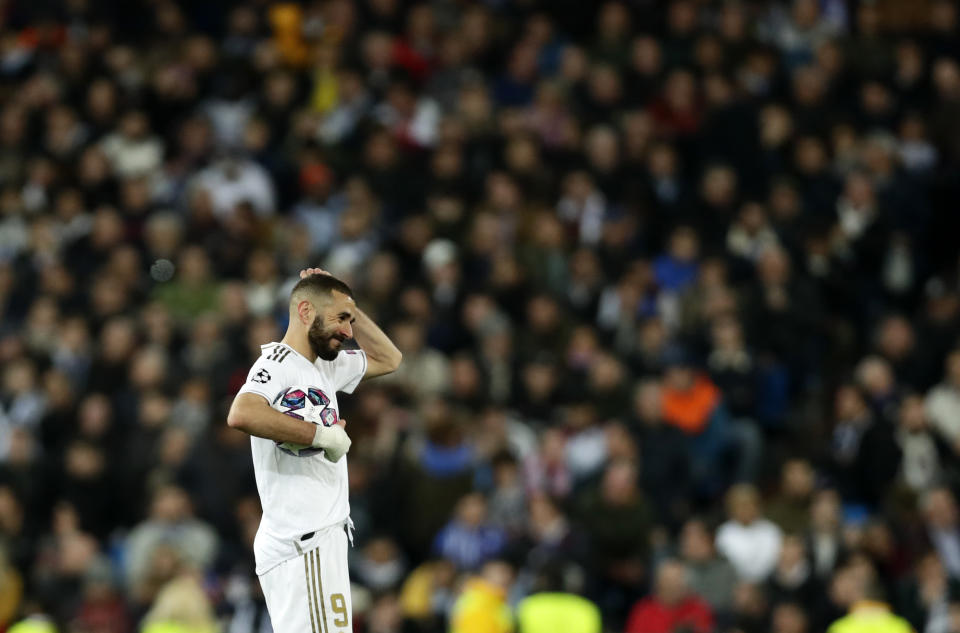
{"x": 301, "y": 545}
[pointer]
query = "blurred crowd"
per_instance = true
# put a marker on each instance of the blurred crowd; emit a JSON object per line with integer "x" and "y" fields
{"x": 677, "y": 285}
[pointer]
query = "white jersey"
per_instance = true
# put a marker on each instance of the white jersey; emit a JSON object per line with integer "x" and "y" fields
{"x": 306, "y": 493}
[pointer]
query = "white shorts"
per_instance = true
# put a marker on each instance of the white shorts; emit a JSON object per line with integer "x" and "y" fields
{"x": 311, "y": 593}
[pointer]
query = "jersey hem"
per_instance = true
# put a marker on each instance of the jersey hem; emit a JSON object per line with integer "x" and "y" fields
{"x": 257, "y": 569}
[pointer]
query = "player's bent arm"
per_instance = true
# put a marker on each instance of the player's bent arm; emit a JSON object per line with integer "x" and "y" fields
{"x": 383, "y": 357}
{"x": 252, "y": 414}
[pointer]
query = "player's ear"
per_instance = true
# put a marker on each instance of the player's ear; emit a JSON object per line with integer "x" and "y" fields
{"x": 305, "y": 311}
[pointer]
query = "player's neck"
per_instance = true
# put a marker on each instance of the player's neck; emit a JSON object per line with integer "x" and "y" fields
{"x": 299, "y": 344}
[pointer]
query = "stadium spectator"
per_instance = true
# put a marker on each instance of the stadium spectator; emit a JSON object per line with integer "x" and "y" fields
{"x": 943, "y": 527}
{"x": 672, "y": 606}
{"x": 469, "y": 539}
{"x": 748, "y": 540}
{"x": 943, "y": 402}
{"x": 482, "y": 605}
{"x": 789, "y": 509}
{"x": 709, "y": 576}
{"x": 171, "y": 526}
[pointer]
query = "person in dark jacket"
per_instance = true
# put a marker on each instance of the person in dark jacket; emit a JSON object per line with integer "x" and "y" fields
{"x": 865, "y": 454}
{"x": 665, "y": 458}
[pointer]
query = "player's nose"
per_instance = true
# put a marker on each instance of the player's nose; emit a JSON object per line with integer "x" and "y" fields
{"x": 347, "y": 331}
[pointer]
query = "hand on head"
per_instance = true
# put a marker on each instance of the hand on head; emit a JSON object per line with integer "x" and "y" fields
{"x": 306, "y": 272}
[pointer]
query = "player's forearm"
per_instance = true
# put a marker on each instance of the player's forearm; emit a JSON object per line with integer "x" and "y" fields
{"x": 381, "y": 353}
{"x": 251, "y": 414}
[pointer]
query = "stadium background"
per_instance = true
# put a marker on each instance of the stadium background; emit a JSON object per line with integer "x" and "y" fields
{"x": 664, "y": 274}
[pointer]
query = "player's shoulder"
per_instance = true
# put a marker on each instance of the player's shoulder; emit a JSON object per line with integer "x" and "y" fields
{"x": 346, "y": 360}
{"x": 275, "y": 359}
{"x": 275, "y": 352}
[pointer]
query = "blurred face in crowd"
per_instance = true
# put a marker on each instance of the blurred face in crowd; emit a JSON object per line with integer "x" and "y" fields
{"x": 472, "y": 510}
{"x": 682, "y": 17}
{"x": 953, "y": 369}
{"x": 580, "y": 416}
{"x": 743, "y": 504}
{"x": 850, "y": 583}
{"x": 539, "y": 380}
{"x": 849, "y": 404}
{"x": 84, "y": 461}
{"x": 543, "y": 314}
{"x": 792, "y": 553}
{"x": 170, "y": 505}
{"x": 684, "y": 245}
{"x": 753, "y": 217}
{"x": 876, "y": 376}
{"x": 810, "y": 156}
{"x": 719, "y": 186}
{"x": 797, "y": 478}
{"x": 647, "y": 57}
{"x": 543, "y": 514}
{"x": 134, "y": 125}
{"x": 773, "y": 267}
{"x": 940, "y": 508}
{"x": 522, "y": 65}
{"x": 825, "y": 511}
{"x": 696, "y": 542}
{"x": 829, "y": 58}
{"x": 809, "y": 86}
{"x": 602, "y": 148}
{"x": 727, "y": 334}
{"x": 606, "y": 373}
{"x": 11, "y": 512}
{"x": 681, "y": 91}
{"x": 784, "y": 201}
{"x": 95, "y": 415}
{"x": 19, "y": 378}
{"x": 943, "y": 16}
{"x": 805, "y": 13}
{"x": 913, "y": 416}
{"x": 671, "y": 582}
{"x": 788, "y": 618}
{"x": 895, "y": 338}
{"x": 749, "y": 600}
{"x": 679, "y": 377}
{"x": 498, "y": 573}
{"x": 652, "y": 337}
{"x": 858, "y": 191}
{"x": 648, "y": 402}
{"x": 194, "y": 266}
{"x": 605, "y": 85}
{"x": 953, "y": 615}
{"x": 465, "y": 379}
{"x": 619, "y": 483}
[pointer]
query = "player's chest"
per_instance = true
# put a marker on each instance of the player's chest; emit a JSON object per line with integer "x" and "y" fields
{"x": 320, "y": 394}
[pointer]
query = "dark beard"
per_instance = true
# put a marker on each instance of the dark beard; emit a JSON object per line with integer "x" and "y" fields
{"x": 320, "y": 343}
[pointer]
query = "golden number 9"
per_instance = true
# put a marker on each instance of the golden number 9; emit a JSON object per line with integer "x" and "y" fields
{"x": 339, "y": 606}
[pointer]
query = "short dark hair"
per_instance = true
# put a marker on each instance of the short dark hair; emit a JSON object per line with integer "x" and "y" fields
{"x": 320, "y": 285}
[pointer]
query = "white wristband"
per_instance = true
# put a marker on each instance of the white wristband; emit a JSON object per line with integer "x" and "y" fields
{"x": 333, "y": 440}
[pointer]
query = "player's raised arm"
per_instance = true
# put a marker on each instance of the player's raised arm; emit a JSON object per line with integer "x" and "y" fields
{"x": 383, "y": 357}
